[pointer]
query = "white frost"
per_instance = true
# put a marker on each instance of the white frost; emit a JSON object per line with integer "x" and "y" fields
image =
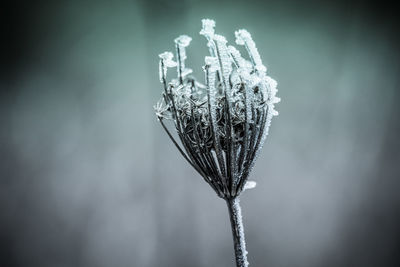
{"x": 166, "y": 61}
{"x": 183, "y": 40}
{"x": 250, "y": 185}
{"x": 208, "y": 27}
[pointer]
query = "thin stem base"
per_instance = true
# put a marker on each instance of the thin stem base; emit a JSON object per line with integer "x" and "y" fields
{"x": 235, "y": 215}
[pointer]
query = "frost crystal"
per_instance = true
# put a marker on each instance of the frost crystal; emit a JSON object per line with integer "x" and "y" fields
{"x": 165, "y": 63}
{"x": 208, "y": 27}
{"x": 249, "y": 185}
{"x": 223, "y": 124}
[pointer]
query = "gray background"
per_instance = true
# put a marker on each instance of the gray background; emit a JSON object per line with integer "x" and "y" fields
{"x": 88, "y": 177}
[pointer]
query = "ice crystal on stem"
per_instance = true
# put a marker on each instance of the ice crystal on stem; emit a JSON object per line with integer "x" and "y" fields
{"x": 223, "y": 124}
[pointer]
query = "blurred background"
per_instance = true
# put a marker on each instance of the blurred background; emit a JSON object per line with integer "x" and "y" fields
{"x": 89, "y": 178}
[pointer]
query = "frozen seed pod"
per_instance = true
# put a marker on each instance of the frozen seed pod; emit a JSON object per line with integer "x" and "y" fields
{"x": 223, "y": 124}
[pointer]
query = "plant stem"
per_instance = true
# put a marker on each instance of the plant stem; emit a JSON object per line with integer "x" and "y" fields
{"x": 235, "y": 215}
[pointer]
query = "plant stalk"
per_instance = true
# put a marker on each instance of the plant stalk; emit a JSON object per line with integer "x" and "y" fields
{"x": 235, "y": 215}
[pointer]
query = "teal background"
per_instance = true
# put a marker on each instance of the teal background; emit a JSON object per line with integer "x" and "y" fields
{"x": 89, "y": 178}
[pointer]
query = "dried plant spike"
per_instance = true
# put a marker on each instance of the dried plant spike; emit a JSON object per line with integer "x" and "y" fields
{"x": 165, "y": 63}
{"x": 223, "y": 56}
{"x": 243, "y": 37}
{"x": 181, "y": 43}
{"x": 212, "y": 62}
{"x": 240, "y": 62}
{"x": 223, "y": 124}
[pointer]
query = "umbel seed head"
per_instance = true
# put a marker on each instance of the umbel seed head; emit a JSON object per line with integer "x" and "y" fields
{"x": 222, "y": 125}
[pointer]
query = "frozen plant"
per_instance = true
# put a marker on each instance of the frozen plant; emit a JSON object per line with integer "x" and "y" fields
{"x": 222, "y": 125}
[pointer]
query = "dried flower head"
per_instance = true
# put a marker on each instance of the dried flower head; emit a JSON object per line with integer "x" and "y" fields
{"x": 223, "y": 124}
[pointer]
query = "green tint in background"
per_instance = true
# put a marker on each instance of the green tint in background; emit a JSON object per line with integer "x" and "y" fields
{"x": 88, "y": 177}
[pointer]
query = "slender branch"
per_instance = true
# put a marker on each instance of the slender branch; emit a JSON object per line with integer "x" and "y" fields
{"x": 239, "y": 243}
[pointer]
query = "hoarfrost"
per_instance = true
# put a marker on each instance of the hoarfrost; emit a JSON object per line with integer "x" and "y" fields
{"x": 208, "y": 27}
{"x": 250, "y": 185}
{"x": 166, "y": 61}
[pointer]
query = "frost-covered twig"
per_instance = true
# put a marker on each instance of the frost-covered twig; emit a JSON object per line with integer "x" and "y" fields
{"x": 235, "y": 215}
{"x": 222, "y": 125}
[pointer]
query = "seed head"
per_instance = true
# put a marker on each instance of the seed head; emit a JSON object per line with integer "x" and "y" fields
{"x": 222, "y": 125}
